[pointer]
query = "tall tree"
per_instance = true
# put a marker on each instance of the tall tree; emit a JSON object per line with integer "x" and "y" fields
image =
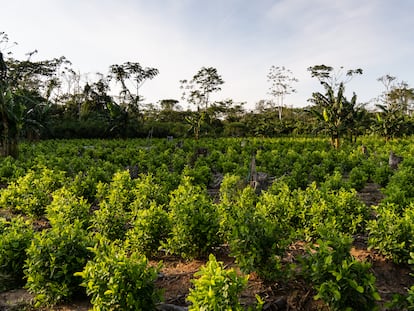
{"x": 11, "y": 113}
{"x": 334, "y": 78}
{"x": 394, "y": 104}
{"x": 169, "y": 104}
{"x": 197, "y": 91}
{"x": 281, "y": 80}
{"x": 131, "y": 73}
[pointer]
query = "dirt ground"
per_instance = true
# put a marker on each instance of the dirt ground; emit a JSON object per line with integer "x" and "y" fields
{"x": 176, "y": 274}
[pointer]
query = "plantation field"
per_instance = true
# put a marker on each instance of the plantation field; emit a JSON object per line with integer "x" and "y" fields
{"x": 109, "y": 224}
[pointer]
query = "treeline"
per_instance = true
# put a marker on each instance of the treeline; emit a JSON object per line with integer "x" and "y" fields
{"x": 50, "y": 100}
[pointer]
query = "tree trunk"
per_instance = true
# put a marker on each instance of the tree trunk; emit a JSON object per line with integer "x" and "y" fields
{"x": 335, "y": 141}
{"x": 9, "y": 147}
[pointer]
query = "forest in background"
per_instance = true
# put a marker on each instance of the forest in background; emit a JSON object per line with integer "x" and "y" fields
{"x": 50, "y": 100}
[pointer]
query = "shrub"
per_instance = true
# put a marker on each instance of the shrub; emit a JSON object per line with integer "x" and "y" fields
{"x": 382, "y": 175}
{"x": 358, "y": 178}
{"x": 230, "y": 190}
{"x": 217, "y": 288}
{"x": 15, "y": 237}
{"x": 340, "y": 280}
{"x": 147, "y": 191}
{"x": 151, "y": 227}
{"x": 67, "y": 208}
{"x": 257, "y": 241}
{"x": 116, "y": 280}
{"x": 334, "y": 182}
{"x": 114, "y": 213}
{"x": 52, "y": 258}
{"x": 9, "y": 170}
{"x": 392, "y": 232}
{"x": 400, "y": 188}
{"x": 85, "y": 182}
{"x": 195, "y": 222}
{"x": 306, "y": 210}
{"x": 30, "y": 194}
{"x": 200, "y": 174}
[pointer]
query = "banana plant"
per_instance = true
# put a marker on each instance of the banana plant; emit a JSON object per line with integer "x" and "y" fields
{"x": 334, "y": 111}
{"x": 390, "y": 121}
{"x": 195, "y": 121}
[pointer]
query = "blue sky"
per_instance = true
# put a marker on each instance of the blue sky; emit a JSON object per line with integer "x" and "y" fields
{"x": 241, "y": 38}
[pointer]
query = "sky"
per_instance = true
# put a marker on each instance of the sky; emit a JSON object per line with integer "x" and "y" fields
{"x": 242, "y": 39}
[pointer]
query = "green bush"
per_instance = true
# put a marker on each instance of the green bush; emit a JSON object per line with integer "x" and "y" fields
{"x": 257, "y": 241}
{"x": 400, "y": 188}
{"x": 9, "y": 170}
{"x": 84, "y": 183}
{"x": 31, "y": 193}
{"x": 340, "y": 280}
{"x": 217, "y": 288}
{"x": 114, "y": 213}
{"x": 67, "y": 208}
{"x": 150, "y": 228}
{"x": 200, "y": 174}
{"x": 392, "y": 232}
{"x": 307, "y": 210}
{"x": 15, "y": 236}
{"x": 147, "y": 191}
{"x": 230, "y": 190}
{"x": 195, "y": 222}
{"x": 52, "y": 258}
{"x": 382, "y": 175}
{"x": 117, "y": 280}
{"x": 334, "y": 182}
{"x": 358, "y": 178}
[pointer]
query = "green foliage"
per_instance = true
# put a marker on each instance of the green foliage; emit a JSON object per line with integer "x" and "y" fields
{"x": 15, "y": 236}
{"x": 334, "y": 182}
{"x": 307, "y": 210}
{"x": 400, "y": 188}
{"x": 358, "y": 178}
{"x": 114, "y": 213}
{"x": 230, "y": 190}
{"x": 66, "y": 208}
{"x": 200, "y": 174}
{"x": 119, "y": 191}
{"x": 118, "y": 280}
{"x": 392, "y": 232}
{"x": 9, "y": 170}
{"x": 340, "y": 280}
{"x": 382, "y": 175}
{"x": 31, "y": 193}
{"x": 85, "y": 181}
{"x": 216, "y": 288}
{"x": 195, "y": 222}
{"x": 147, "y": 191}
{"x": 53, "y": 256}
{"x": 256, "y": 241}
{"x": 150, "y": 229}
